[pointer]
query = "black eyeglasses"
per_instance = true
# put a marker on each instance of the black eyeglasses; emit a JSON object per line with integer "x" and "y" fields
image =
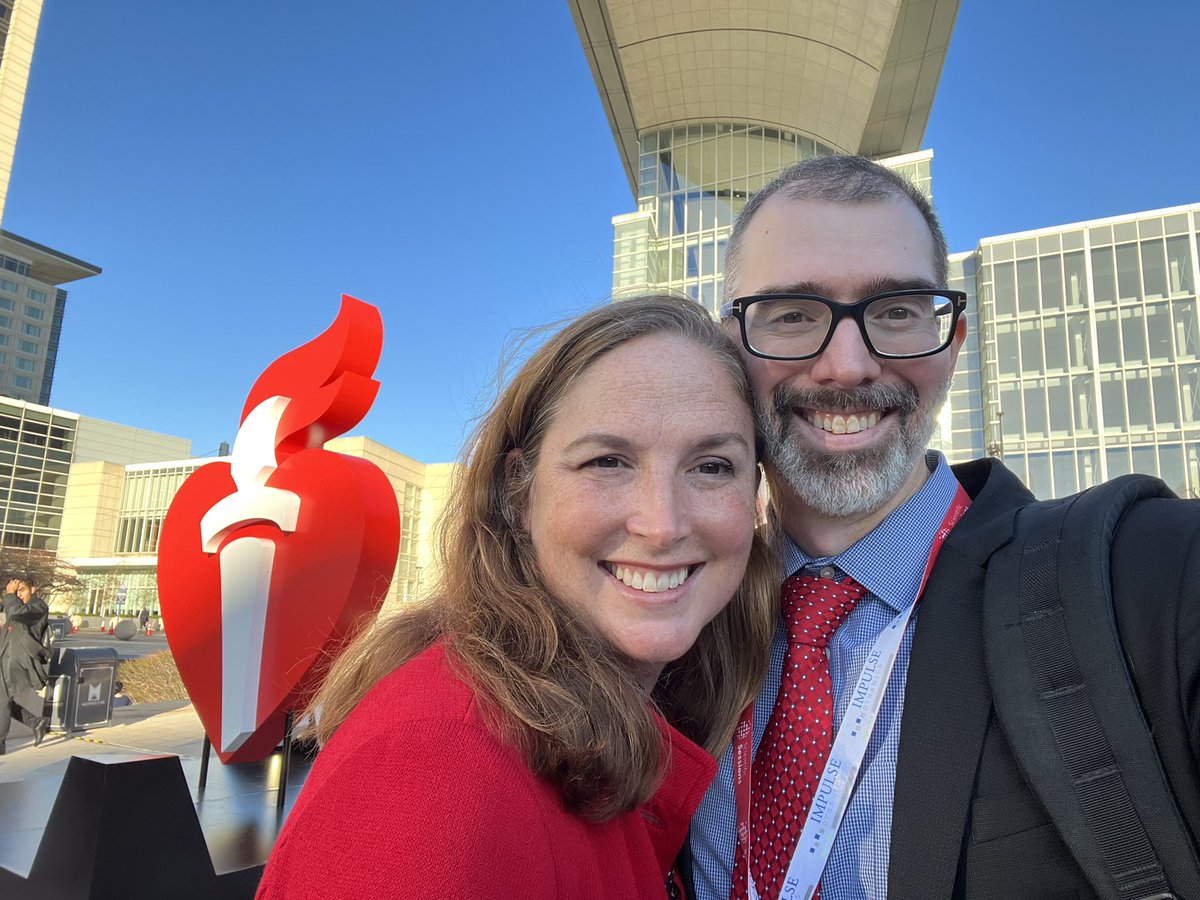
{"x": 894, "y": 325}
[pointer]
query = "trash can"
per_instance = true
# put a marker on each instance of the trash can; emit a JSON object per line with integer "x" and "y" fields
{"x": 60, "y": 627}
{"x": 80, "y": 688}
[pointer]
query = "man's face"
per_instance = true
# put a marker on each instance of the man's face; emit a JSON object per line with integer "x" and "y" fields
{"x": 847, "y": 430}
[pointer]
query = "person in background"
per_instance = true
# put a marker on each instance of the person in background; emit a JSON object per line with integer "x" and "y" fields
{"x": 545, "y": 724}
{"x": 23, "y": 659}
{"x": 120, "y": 698}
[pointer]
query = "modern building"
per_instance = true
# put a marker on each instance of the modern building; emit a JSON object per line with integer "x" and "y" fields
{"x": 18, "y": 33}
{"x": 709, "y": 101}
{"x": 39, "y": 445}
{"x": 1080, "y": 362}
{"x": 1083, "y": 359}
{"x": 113, "y": 516}
{"x": 32, "y": 300}
{"x": 32, "y": 304}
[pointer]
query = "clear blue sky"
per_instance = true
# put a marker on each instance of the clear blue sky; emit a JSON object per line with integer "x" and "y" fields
{"x": 235, "y": 166}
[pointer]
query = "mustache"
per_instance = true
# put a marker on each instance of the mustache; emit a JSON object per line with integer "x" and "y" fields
{"x": 903, "y": 399}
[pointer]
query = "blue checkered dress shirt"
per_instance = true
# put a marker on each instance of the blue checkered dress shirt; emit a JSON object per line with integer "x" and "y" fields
{"x": 889, "y": 563}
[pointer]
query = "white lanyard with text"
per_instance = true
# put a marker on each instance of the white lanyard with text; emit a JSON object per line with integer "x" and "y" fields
{"x": 845, "y": 757}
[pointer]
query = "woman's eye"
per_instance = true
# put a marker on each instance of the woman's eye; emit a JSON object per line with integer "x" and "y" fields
{"x": 605, "y": 462}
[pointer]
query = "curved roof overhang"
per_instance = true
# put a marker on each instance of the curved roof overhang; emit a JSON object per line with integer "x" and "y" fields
{"x": 858, "y": 76}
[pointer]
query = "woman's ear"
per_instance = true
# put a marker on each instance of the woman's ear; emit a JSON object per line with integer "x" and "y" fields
{"x": 516, "y": 489}
{"x": 513, "y": 465}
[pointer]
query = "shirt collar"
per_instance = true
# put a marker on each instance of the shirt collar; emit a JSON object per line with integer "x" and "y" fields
{"x": 889, "y": 561}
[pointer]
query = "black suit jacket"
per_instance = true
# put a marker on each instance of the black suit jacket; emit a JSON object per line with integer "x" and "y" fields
{"x": 964, "y": 823}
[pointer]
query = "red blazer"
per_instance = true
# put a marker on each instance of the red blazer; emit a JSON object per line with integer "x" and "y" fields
{"x": 414, "y": 797}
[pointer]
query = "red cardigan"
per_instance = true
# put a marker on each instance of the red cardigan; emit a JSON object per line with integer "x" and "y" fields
{"x": 414, "y": 797}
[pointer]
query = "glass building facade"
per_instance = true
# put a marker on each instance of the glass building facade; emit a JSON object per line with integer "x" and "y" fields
{"x": 145, "y": 497}
{"x": 1089, "y": 351}
{"x": 128, "y": 582}
{"x": 960, "y": 432}
{"x": 692, "y": 183}
{"x": 36, "y": 448}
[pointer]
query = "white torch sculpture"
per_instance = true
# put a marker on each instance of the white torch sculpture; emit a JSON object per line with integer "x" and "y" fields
{"x": 246, "y": 565}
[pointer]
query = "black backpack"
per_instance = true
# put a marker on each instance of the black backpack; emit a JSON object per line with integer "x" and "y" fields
{"x": 1066, "y": 701}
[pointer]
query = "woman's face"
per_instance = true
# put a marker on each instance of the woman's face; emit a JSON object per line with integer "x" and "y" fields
{"x": 642, "y": 504}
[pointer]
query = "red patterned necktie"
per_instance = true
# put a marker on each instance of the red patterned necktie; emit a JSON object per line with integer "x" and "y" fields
{"x": 799, "y": 733}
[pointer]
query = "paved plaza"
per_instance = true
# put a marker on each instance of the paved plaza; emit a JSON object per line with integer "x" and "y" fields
{"x": 169, "y": 727}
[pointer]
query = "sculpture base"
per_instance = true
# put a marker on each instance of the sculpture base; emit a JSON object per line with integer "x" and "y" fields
{"x": 136, "y": 826}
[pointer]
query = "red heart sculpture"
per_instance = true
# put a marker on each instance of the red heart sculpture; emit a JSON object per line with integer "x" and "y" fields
{"x": 306, "y": 544}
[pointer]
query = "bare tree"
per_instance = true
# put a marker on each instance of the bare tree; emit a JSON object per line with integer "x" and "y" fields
{"x": 53, "y": 576}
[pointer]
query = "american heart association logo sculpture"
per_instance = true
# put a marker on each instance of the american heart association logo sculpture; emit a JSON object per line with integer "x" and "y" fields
{"x": 266, "y": 562}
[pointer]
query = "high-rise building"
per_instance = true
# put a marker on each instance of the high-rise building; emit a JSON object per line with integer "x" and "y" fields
{"x": 709, "y": 101}
{"x": 1081, "y": 356}
{"x": 18, "y": 32}
{"x": 32, "y": 301}
{"x": 31, "y": 314}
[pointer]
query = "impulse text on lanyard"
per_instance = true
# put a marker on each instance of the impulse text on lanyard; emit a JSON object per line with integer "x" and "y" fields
{"x": 845, "y": 757}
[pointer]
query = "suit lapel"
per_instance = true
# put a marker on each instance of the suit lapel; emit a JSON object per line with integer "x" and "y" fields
{"x": 947, "y": 701}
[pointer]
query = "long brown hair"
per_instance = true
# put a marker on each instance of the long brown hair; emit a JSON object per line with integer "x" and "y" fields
{"x": 554, "y": 688}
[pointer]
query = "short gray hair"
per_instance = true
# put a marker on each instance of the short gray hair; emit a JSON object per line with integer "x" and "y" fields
{"x": 837, "y": 179}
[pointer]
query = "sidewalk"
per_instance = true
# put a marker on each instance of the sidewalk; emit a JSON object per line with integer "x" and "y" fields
{"x": 237, "y": 811}
{"x": 168, "y": 727}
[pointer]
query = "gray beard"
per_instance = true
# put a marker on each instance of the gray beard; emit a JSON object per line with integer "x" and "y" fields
{"x": 850, "y": 483}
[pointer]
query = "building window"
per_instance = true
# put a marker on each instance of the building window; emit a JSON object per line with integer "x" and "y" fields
{"x": 5, "y": 322}
{"x": 35, "y": 312}
{"x": 5, "y": 303}
{"x": 25, "y": 365}
{"x": 22, "y": 381}
{"x": 14, "y": 265}
{"x": 13, "y": 288}
{"x": 35, "y": 295}
{"x": 3, "y": 340}
{"x": 31, "y": 330}
{"x": 3, "y": 358}
{"x": 27, "y": 347}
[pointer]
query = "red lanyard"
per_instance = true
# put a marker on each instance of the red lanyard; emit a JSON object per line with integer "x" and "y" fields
{"x": 743, "y": 737}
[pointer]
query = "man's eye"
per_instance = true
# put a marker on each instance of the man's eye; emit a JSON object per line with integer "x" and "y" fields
{"x": 790, "y": 316}
{"x": 714, "y": 467}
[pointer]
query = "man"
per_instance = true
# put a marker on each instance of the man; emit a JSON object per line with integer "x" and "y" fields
{"x": 22, "y": 659}
{"x": 849, "y": 391}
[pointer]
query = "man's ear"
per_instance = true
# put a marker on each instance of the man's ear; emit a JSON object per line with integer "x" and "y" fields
{"x": 957, "y": 341}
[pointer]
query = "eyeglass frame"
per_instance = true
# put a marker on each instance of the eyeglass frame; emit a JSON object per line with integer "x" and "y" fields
{"x": 736, "y": 308}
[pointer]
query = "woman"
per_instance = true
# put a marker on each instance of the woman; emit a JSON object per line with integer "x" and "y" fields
{"x": 23, "y": 659}
{"x": 507, "y": 738}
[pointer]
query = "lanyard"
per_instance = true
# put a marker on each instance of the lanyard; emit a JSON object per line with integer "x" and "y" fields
{"x": 845, "y": 756}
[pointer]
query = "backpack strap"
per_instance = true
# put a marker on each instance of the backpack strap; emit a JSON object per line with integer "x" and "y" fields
{"x": 1065, "y": 700}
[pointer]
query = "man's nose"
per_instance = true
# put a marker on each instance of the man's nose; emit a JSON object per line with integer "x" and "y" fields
{"x": 846, "y": 361}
